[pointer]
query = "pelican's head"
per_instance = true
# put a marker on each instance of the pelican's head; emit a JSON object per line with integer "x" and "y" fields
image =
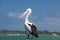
{"x": 27, "y": 12}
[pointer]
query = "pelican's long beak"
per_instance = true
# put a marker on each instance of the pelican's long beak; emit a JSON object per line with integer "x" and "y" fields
{"x": 25, "y": 13}
{"x": 21, "y": 16}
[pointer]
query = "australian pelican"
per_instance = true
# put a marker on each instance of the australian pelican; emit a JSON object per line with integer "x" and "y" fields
{"x": 29, "y": 26}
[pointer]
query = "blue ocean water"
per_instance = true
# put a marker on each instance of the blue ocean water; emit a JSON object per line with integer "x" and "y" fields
{"x": 23, "y": 37}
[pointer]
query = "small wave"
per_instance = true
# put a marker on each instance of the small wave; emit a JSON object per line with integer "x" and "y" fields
{"x": 14, "y": 34}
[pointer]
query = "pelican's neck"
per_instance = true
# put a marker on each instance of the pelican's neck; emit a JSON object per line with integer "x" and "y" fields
{"x": 27, "y": 15}
{"x": 26, "y": 18}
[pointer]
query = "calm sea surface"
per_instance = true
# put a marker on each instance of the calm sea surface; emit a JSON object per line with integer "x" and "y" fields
{"x": 23, "y": 37}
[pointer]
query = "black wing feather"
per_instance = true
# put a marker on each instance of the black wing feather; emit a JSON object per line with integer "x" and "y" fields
{"x": 34, "y": 30}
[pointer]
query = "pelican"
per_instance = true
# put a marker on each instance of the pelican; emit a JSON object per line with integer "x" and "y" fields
{"x": 28, "y": 25}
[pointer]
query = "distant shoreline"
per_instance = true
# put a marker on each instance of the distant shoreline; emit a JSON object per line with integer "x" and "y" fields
{"x": 24, "y": 32}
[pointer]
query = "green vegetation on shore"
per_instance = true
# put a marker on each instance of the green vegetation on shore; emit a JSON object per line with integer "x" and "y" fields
{"x": 24, "y": 32}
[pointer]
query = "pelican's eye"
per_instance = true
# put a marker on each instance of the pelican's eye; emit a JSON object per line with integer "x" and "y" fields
{"x": 27, "y": 11}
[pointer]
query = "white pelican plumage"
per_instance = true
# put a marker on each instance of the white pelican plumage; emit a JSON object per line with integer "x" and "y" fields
{"x": 30, "y": 26}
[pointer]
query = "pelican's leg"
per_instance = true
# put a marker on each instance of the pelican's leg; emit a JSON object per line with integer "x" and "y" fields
{"x": 28, "y": 36}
